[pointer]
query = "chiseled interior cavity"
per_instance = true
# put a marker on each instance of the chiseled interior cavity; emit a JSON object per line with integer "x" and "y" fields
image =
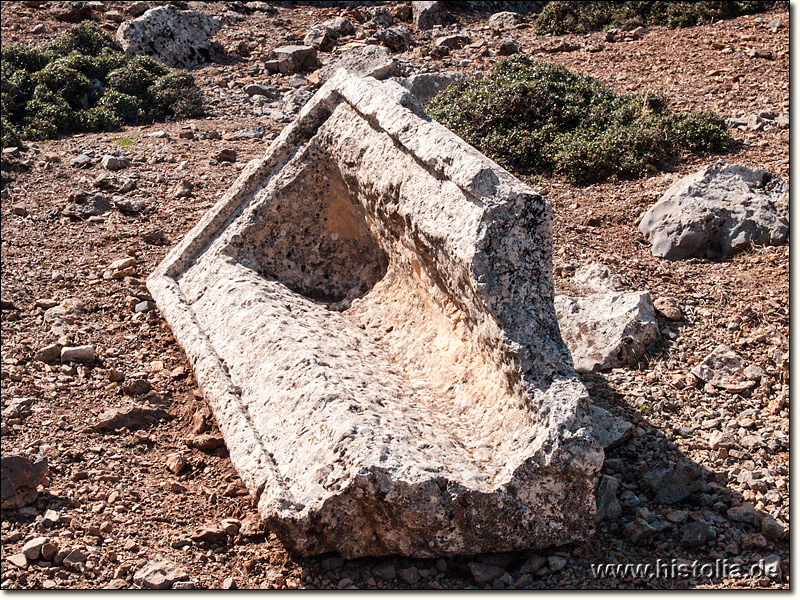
{"x": 369, "y": 312}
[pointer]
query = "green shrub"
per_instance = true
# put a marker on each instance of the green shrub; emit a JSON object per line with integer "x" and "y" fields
{"x": 537, "y": 117}
{"x": 65, "y": 81}
{"x": 83, "y": 82}
{"x": 10, "y": 135}
{"x": 175, "y": 94}
{"x": 18, "y": 56}
{"x": 84, "y": 38}
{"x": 564, "y": 16}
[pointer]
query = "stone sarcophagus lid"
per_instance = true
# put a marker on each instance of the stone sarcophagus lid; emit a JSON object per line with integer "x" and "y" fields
{"x": 369, "y": 313}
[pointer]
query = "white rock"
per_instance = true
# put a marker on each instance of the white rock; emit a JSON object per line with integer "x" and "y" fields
{"x": 84, "y": 354}
{"x": 595, "y": 278}
{"x": 392, "y": 337}
{"x": 177, "y": 38}
{"x": 606, "y": 331}
{"x": 722, "y": 368}
{"x": 718, "y": 211}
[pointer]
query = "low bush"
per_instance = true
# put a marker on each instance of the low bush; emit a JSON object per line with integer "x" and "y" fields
{"x": 538, "y": 117}
{"x": 564, "y": 16}
{"x": 83, "y": 82}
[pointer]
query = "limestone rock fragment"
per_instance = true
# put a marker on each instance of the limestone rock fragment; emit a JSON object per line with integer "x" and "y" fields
{"x": 718, "y": 211}
{"x": 177, "y": 38}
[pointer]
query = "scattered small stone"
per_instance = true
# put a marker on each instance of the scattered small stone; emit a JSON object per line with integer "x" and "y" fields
{"x": 21, "y": 475}
{"x": 638, "y": 530}
{"x": 772, "y": 529}
{"x": 130, "y": 417}
{"x": 144, "y": 306}
{"x": 697, "y": 534}
{"x": 33, "y": 548}
{"x": 18, "y": 560}
{"x": 744, "y": 513}
{"x": 20, "y": 210}
{"x": 114, "y": 163}
{"x": 208, "y": 534}
{"x": 556, "y": 563}
{"x": 50, "y": 518}
{"x": 81, "y": 161}
{"x": 207, "y": 442}
{"x": 669, "y": 308}
{"x": 427, "y": 14}
{"x": 409, "y": 575}
{"x": 507, "y": 47}
{"x": 128, "y": 205}
{"x": 49, "y": 354}
{"x": 82, "y": 354}
{"x": 753, "y": 541}
{"x": 483, "y": 573}
{"x": 159, "y": 574}
{"x": 226, "y": 155}
{"x": 175, "y": 462}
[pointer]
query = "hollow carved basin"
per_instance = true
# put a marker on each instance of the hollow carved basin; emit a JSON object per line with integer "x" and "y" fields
{"x": 369, "y": 313}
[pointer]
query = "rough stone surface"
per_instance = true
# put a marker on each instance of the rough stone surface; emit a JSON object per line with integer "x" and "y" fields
{"x": 292, "y": 59}
{"x": 369, "y": 61}
{"x": 177, "y": 38}
{"x": 383, "y": 358}
{"x": 595, "y": 278}
{"x": 722, "y": 368}
{"x": 605, "y": 331}
{"x": 159, "y": 574}
{"x": 20, "y": 477}
{"x": 426, "y": 85}
{"x": 505, "y": 20}
{"x": 718, "y": 211}
{"x": 608, "y": 506}
{"x": 428, "y": 14}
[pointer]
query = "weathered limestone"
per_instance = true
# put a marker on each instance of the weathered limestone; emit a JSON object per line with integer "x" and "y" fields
{"x": 717, "y": 212}
{"x": 606, "y": 327}
{"x": 177, "y": 38}
{"x": 609, "y": 330}
{"x": 369, "y": 313}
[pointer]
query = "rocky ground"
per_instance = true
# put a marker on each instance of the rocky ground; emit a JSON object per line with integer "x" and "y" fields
{"x": 125, "y": 488}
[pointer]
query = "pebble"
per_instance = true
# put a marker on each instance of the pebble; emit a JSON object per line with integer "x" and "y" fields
{"x": 18, "y": 560}
{"x": 33, "y": 548}
{"x": 83, "y": 354}
{"x": 409, "y": 575}
{"x": 771, "y": 529}
{"x": 483, "y": 573}
{"x": 49, "y": 354}
{"x": 744, "y": 513}
{"x": 20, "y": 210}
{"x": 175, "y": 462}
{"x": 114, "y": 163}
{"x": 159, "y": 574}
{"x": 753, "y": 541}
{"x": 136, "y": 387}
{"x": 696, "y": 534}
{"x": 50, "y": 518}
{"x": 556, "y": 563}
{"x": 81, "y": 161}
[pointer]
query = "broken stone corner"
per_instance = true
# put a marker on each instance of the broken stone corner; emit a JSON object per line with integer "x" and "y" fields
{"x": 369, "y": 312}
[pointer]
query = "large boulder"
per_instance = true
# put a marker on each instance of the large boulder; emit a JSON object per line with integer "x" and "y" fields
{"x": 718, "y": 211}
{"x": 177, "y": 38}
{"x": 368, "y": 311}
